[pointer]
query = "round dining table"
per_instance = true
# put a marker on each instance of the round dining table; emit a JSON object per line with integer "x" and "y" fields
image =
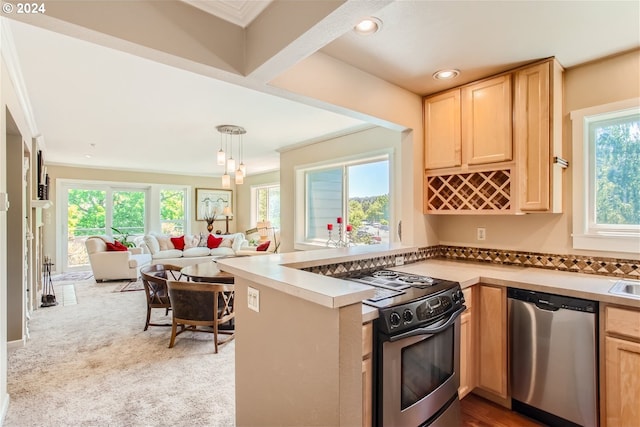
{"x": 207, "y": 272}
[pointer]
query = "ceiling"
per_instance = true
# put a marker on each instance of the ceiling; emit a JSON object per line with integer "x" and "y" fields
{"x": 100, "y": 107}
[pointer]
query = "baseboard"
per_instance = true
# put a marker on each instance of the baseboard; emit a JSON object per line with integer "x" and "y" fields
{"x": 14, "y": 345}
{"x": 4, "y": 408}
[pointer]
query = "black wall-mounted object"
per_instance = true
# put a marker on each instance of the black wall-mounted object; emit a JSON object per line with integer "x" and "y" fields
{"x": 43, "y": 178}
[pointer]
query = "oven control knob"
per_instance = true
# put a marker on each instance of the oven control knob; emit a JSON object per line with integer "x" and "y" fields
{"x": 394, "y": 319}
{"x": 407, "y": 316}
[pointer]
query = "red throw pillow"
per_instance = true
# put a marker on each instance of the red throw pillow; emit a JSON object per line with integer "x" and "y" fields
{"x": 115, "y": 246}
{"x": 178, "y": 242}
{"x": 263, "y": 246}
{"x": 213, "y": 241}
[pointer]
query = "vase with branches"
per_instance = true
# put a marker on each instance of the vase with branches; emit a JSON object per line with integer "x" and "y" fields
{"x": 210, "y": 212}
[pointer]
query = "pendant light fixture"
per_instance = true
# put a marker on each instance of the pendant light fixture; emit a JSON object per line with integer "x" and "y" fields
{"x": 221, "y": 156}
{"x": 229, "y": 132}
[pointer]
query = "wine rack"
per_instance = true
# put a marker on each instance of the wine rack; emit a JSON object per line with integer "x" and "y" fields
{"x": 481, "y": 192}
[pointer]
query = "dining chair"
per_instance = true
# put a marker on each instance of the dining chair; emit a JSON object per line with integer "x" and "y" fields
{"x": 198, "y": 306}
{"x": 154, "y": 279}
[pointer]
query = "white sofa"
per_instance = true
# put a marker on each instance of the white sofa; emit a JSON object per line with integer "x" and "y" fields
{"x": 252, "y": 250}
{"x": 114, "y": 265}
{"x": 163, "y": 251}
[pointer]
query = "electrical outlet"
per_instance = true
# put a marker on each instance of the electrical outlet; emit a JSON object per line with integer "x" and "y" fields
{"x": 481, "y": 233}
{"x": 399, "y": 260}
{"x": 4, "y": 202}
{"x": 253, "y": 299}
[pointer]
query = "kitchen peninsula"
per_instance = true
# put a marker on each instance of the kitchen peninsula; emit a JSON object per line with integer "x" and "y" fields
{"x": 299, "y": 352}
{"x": 299, "y": 349}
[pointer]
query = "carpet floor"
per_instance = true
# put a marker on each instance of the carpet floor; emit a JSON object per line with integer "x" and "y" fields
{"x": 91, "y": 364}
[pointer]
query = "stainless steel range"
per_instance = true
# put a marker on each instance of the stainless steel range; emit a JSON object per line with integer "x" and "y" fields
{"x": 416, "y": 349}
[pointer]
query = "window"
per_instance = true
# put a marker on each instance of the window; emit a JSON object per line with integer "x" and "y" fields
{"x": 129, "y": 211}
{"x": 89, "y": 208}
{"x": 267, "y": 204}
{"x": 100, "y": 210}
{"x": 606, "y": 180}
{"x": 355, "y": 190}
{"x": 172, "y": 211}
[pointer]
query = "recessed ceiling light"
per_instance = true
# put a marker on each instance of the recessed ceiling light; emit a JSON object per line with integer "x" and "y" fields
{"x": 446, "y": 74}
{"x": 368, "y": 26}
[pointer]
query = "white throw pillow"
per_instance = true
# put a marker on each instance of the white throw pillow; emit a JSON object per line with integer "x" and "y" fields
{"x": 191, "y": 241}
{"x": 165, "y": 243}
{"x": 152, "y": 244}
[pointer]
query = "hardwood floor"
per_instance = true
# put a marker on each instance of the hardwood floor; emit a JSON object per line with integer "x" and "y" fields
{"x": 478, "y": 412}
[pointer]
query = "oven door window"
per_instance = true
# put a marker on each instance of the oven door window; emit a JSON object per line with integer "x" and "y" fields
{"x": 426, "y": 365}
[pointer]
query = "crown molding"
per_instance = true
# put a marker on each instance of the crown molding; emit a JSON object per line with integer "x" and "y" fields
{"x": 238, "y": 12}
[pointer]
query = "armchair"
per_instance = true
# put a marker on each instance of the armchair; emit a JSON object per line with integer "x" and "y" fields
{"x": 154, "y": 279}
{"x": 114, "y": 265}
{"x": 196, "y": 306}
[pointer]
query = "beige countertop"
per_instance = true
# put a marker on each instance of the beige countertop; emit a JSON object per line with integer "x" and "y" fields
{"x": 282, "y": 272}
{"x": 578, "y": 285}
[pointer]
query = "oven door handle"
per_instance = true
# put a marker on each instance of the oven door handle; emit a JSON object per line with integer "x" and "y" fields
{"x": 430, "y": 330}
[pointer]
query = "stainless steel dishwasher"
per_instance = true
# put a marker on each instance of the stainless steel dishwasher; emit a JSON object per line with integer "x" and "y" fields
{"x": 554, "y": 359}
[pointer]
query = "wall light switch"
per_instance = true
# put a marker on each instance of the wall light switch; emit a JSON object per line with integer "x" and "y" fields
{"x": 399, "y": 260}
{"x": 253, "y": 299}
{"x": 481, "y": 233}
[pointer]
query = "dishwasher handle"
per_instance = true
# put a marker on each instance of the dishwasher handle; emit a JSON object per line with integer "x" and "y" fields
{"x": 546, "y": 305}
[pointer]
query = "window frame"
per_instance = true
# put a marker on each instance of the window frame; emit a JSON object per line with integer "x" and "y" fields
{"x": 300, "y": 205}
{"x": 254, "y": 200}
{"x": 586, "y": 233}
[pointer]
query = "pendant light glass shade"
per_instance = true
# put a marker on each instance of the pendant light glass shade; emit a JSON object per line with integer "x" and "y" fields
{"x": 239, "y": 177}
{"x": 226, "y": 181}
{"x": 221, "y": 157}
{"x": 243, "y": 169}
{"x": 231, "y": 165}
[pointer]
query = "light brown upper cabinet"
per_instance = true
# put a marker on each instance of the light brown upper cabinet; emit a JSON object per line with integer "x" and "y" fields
{"x": 486, "y": 123}
{"x": 469, "y": 125}
{"x": 538, "y": 136}
{"x": 442, "y": 132}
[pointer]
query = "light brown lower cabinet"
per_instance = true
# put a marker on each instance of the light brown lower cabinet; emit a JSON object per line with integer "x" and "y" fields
{"x": 467, "y": 346}
{"x": 492, "y": 340}
{"x": 367, "y": 374}
{"x": 622, "y": 367}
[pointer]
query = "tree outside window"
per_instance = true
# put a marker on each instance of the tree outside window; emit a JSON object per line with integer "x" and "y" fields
{"x": 172, "y": 212}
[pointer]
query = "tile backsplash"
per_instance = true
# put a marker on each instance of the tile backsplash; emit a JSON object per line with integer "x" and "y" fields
{"x": 623, "y": 268}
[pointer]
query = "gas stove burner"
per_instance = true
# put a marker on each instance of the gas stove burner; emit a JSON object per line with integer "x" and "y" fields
{"x": 385, "y": 274}
{"x": 416, "y": 280}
